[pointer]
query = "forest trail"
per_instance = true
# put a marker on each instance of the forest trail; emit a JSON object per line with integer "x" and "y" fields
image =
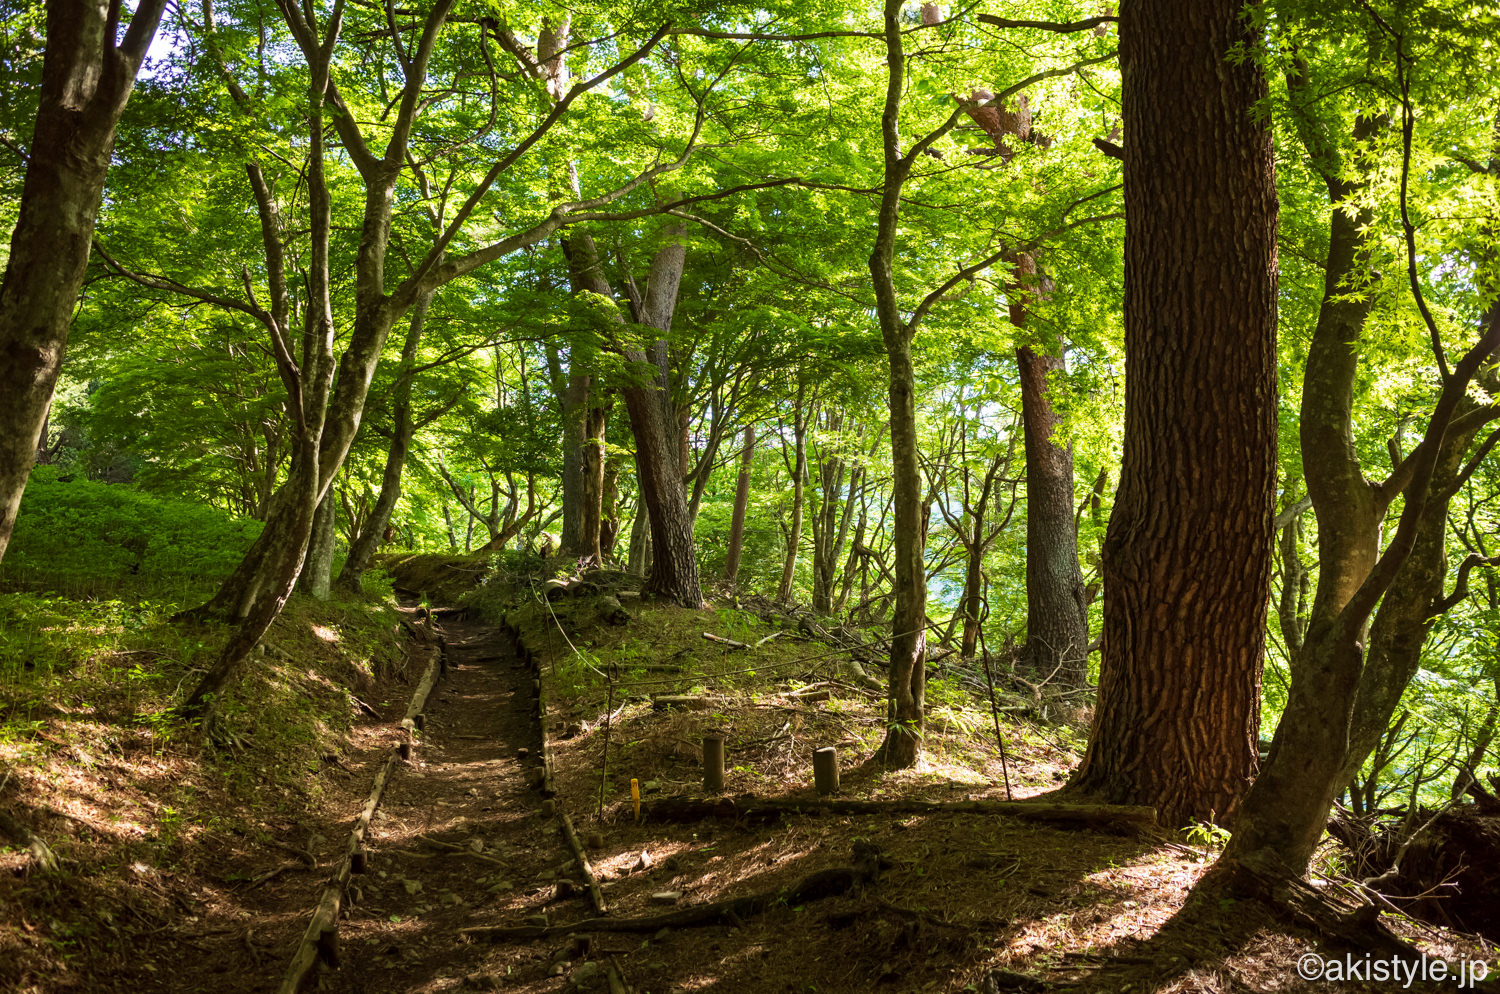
{"x": 456, "y": 833}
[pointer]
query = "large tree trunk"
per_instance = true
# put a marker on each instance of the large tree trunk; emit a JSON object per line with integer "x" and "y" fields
{"x": 1187, "y": 558}
{"x": 674, "y": 565}
{"x": 316, "y": 579}
{"x": 741, "y": 506}
{"x": 1057, "y": 613}
{"x": 86, "y": 81}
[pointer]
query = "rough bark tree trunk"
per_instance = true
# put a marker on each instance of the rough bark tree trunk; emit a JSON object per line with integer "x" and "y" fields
{"x": 1057, "y": 613}
{"x": 1187, "y": 557}
{"x": 86, "y": 81}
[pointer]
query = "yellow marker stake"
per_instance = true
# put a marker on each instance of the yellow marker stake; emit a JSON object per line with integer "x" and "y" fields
{"x": 635, "y": 795}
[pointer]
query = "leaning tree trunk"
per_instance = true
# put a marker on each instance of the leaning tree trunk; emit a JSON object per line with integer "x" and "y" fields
{"x": 1187, "y": 557}
{"x": 674, "y": 564}
{"x": 86, "y": 81}
{"x": 403, "y": 427}
{"x": 741, "y": 506}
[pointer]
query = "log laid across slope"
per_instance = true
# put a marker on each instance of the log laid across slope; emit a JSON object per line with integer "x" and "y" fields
{"x": 1107, "y": 817}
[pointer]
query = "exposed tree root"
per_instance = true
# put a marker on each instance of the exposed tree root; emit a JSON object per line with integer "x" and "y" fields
{"x": 824, "y": 883}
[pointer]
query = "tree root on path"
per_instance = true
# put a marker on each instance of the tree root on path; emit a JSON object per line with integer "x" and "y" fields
{"x": 823, "y": 883}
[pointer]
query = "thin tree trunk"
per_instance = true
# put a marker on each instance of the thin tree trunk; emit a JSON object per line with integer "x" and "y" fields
{"x": 362, "y": 548}
{"x": 799, "y": 475}
{"x": 609, "y": 517}
{"x": 741, "y": 506}
{"x": 639, "y": 558}
{"x": 86, "y": 82}
{"x": 1187, "y": 558}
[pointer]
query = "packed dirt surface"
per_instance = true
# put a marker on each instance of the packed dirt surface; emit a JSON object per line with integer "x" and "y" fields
{"x": 471, "y": 883}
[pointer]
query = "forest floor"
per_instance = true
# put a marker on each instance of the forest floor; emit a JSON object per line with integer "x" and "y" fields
{"x": 175, "y": 876}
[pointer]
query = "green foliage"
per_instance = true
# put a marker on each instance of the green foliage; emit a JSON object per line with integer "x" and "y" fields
{"x": 85, "y": 538}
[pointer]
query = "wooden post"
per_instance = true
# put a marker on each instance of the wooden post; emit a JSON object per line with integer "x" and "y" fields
{"x": 826, "y": 770}
{"x": 420, "y": 721}
{"x": 713, "y": 763}
{"x": 358, "y": 861}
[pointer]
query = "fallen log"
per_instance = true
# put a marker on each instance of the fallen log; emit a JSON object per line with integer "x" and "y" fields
{"x": 823, "y": 883}
{"x": 611, "y": 612}
{"x": 721, "y": 640}
{"x": 1114, "y": 818}
{"x": 424, "y": 690}
{"x": 585, "y": 868}
{"x": 688, "y": 702}
{"x": 320, "y": 941}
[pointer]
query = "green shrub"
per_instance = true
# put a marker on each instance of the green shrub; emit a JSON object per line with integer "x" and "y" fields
{"x": 83, "y": 538}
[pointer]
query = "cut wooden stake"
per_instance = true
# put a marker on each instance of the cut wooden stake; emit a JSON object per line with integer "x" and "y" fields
{"x": 826, "y": 770}
{"x": 713, "y": 763}
{"x": 548, "y": 765}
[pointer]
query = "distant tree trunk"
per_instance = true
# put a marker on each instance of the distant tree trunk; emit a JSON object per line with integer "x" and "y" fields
{"x": 639, "y": 559}
{"x": 831, "y": 528}
{"x": 1057, "y": 614}
{"x": 853, "y": 564}
{"x": 799, "y": 475}
{"x": 1187, "y": 558}
{"x": 585, "y": 413}
{"x": 573, "y": 406}
{"x": 316, "y": 580}
{"x": 86, "y": 82}
{"x": 609, "y": 519}
{"x": 741, "y": 506}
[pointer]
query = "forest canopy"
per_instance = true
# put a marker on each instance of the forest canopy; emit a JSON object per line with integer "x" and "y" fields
{"x": 1146, "y": 358}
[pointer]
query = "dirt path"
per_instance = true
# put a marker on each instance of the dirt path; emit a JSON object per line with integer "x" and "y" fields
{"x": 459, "y": 837}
